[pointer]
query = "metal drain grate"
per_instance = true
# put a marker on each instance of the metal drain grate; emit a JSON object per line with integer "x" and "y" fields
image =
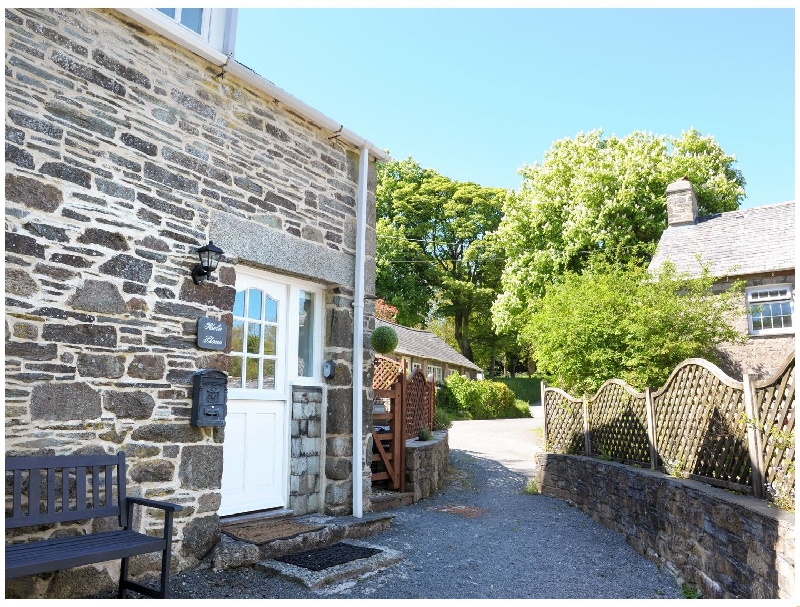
{"x": 330, "y": 556}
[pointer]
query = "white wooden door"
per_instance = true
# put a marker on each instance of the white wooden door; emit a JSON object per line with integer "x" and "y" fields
{"x": 255, "y": 456}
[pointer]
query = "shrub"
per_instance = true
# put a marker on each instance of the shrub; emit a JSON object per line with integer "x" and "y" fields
{"x": 484, "y": 399}
{"x": 384, "y": 340}
{"x": 424, "y": 434}
{"x": 441, "y": 419}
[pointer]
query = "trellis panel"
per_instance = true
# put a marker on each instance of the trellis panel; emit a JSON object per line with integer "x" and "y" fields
{"x": 618, "y": 423}
{"x": 564, "y": 422}
{"x": 774, "y": 409}
{"x": 699, "y": 429}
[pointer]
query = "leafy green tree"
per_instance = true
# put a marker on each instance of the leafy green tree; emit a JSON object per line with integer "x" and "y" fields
{"x": 435, "y": 246}
{"x": 613, "y": 322}
{"x": 601, "y": 199}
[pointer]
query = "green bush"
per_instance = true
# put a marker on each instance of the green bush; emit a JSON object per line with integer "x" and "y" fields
{"x": 525, "y": 388}
{"x": 441, "y": 419}
{"x": 424, "y": 434}
{"x": 483, "y": 399}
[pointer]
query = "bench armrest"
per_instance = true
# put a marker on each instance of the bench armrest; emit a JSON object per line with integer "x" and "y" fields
{"x": 143, "y": 501}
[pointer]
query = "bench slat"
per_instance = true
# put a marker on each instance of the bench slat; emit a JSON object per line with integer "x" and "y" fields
{"x": 51, "y": 490}
{"x": 17, "y": 512}
{"x": 80, "y": 475}
{"x": 62, "y": 553}
{"x": 34, "y": 478}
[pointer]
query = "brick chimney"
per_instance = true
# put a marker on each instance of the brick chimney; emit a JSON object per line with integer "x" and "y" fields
{"x": 681, "y": 203}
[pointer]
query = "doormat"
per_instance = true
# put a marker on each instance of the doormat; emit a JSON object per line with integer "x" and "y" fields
{"x": 261, "y": 532}
{"x": 329, "y": 556}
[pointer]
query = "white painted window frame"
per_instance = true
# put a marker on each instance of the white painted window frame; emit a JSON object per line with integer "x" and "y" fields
{"x": 289, "y": 376}
{"x": 218, "y": 32}
{"x": 436, "y": 371}
{"x": 749, "y": 291}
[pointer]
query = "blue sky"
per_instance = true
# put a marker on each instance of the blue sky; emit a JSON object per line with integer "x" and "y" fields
{"x": 477, "y": 93}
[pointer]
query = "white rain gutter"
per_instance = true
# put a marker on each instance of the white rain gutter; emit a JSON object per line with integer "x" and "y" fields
{"x": 358, "y": 335}
{"x": 186, "y": 38}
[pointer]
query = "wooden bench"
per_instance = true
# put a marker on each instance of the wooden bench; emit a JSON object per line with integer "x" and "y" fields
{"x": 59, "y": 489}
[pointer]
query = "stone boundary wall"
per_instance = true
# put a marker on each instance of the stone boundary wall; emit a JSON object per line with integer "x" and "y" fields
{"x": 426, "y": 465}
{"x": 727, "y": 545}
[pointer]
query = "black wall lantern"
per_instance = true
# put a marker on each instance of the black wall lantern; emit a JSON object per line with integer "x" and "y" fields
{"x": 209, "y": 258}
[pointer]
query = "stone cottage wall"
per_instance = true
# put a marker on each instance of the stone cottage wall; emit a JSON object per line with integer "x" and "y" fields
{"x": 761, "y": 355}
{"x": 124, "y": 153}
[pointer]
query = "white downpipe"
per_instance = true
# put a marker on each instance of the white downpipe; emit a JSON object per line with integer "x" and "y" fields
{"x": 358, "y": 336}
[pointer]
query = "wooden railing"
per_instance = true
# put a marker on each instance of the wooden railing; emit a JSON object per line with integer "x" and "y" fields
{"x": 701, "y": 424}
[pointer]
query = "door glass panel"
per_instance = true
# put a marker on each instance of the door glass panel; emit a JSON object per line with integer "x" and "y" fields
{"x": 235, "y": 372}
{"x": 237, "y": 336}
{"x": 271, "y": 309}
{"x": 169, "y": 12}
{"x": 251, "y": 374}
{"x": 253, "y": 338}
{"x": 305, "y": 337}
{"x": 269, "y": 374}
{"x": 270, "y": 337}
{"x": 192, "y": 18}
{"x": 238, "y": 304}
{"x": 254, "y": 304}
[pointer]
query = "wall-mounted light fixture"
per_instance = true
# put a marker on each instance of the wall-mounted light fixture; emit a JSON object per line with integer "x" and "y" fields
{"x": 209, "y": 255}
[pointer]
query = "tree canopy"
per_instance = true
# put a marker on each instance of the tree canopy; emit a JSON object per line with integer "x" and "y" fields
{"x": 619, "y": 322}
{"x": 598, "y": 199}
{"x": 435, "y": 247}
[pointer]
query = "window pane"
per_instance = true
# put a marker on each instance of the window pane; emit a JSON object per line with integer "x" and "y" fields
{"x": 271, "y": 311}
{"x": 251, "y": 374}
{"x": 757, "y": 325}
{"x": 192, "y": 18}
{"x": 270, "y": 338}
{"x": 269, "y": 374}
{"x": 787, "y": 321}
{"x": 254, "y": 304}
{"x": 235, "y": 372}
{"x": 169, "y": 12}
{"x": 305, "y": 338}
{"x": 237, "y": 336}
{"x": 238, "y": 304}
{"x": 253, "y": 338}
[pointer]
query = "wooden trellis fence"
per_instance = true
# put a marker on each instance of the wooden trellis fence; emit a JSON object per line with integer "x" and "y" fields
{"x": 409, "y": 404}
{"x": 701, "y": 424}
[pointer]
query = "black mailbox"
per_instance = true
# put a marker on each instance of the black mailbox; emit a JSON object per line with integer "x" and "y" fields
{"x": 209, "y": 398}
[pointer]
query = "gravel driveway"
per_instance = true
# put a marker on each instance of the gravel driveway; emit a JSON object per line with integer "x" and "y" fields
{"x": 481, "y": 536}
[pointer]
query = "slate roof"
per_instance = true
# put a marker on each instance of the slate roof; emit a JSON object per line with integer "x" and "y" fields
{"x": 424, "y": 344}
{"x": 737, "y": 243}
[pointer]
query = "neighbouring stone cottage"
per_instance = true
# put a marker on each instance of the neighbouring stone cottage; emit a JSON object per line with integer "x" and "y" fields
{"x": 754, "y": 245}
{"x": 131, "y": 141}
{"x": 420, "y": 349}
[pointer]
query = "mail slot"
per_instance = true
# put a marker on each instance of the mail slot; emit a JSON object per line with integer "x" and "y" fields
{"x": 209, "y": 398}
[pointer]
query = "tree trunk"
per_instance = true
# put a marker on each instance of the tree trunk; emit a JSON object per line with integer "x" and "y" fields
{"x": 531, "y": 367}
{"x": 461, "y": 326}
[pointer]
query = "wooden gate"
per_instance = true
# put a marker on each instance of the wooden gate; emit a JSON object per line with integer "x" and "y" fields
{"x": 388, "y": 427}
{"x": 404, "y": 406}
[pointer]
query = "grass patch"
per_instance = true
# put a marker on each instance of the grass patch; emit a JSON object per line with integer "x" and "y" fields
{"x": 524, "y": 388}
{"x": 690, "y": 592}
{"x": 531, "y": 488}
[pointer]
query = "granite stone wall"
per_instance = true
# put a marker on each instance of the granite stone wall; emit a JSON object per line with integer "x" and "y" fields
{"x": 124, "y": 153}
{"x": 761, "y": 355}
{"x": 426, "y": 465}
{"x": 727, "y": 545}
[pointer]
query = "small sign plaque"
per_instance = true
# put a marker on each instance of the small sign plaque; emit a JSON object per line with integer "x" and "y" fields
{"x": 211, "y": 334}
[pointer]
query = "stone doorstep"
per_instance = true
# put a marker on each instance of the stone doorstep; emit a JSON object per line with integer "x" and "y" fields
{"x": 316, "y": 579}
{"x": 230, "y": 553}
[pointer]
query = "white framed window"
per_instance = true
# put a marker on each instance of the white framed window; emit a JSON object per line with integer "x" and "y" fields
{"x": 277, "y": 336}
{"x": 451, "y": 371}
{"x": 213, "y": 27}
{"x": 770, "y": 309}
{"x": 414, "y": 367}
{"x": 435, "y": 371}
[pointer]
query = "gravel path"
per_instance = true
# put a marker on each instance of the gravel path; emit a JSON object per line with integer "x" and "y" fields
{"x": 481, "y": 536}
